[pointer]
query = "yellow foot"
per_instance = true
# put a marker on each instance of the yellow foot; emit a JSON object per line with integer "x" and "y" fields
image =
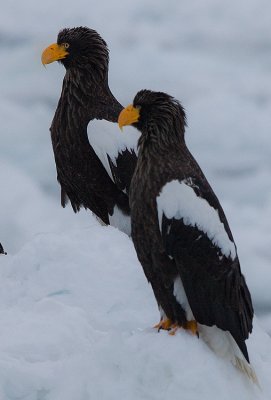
{"x": 165, "y": 324}
{"x": 192, "y": 326}
{"x": 174, "y": 329}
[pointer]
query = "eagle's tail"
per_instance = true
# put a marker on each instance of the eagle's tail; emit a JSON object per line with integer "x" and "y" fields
{"x": 223, "y": 344}
{"x": 246, "y": 368}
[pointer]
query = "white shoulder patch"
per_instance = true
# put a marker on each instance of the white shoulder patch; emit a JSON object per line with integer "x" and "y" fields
{"x": 178, "y": 200}
{"x": 107, "y": 139}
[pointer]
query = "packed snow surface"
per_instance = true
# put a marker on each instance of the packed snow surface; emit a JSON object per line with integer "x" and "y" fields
{"x": 76, "y": 316}
{"x": 76, "y": 310}
{"x": 178, "y": 200}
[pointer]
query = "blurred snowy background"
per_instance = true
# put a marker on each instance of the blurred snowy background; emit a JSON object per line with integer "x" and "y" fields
{"x": 215, "y": 57}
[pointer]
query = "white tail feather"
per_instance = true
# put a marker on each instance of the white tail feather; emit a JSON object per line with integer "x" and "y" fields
{"x": 244, "y": 367}
{"x": 120, "y": 221}
{"x": 223, "y": 344}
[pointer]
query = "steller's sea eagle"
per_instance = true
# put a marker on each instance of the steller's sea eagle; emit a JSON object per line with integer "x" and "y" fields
{"x": 2, "y": 251}
{"x": 181, "y": 235}
{"x": 90, "y": 176}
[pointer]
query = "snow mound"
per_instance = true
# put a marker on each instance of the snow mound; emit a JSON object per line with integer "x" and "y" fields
{"x": 76, "y": 317}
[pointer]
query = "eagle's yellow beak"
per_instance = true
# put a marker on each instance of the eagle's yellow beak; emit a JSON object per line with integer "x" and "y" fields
{"x": 128, "y": 116}
{"x": 52, "y": 53}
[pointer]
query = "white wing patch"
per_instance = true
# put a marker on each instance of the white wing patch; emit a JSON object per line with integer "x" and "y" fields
{"x": 179, "y": 200}
{"x": 107, "y": 139}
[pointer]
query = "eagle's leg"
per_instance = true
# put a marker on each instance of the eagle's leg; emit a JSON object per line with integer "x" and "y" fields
{"x": 188, "y": 325}
{"x": 174, "y": 329}
{"x": 165, "y": 323}
{"x": 192, "y": 326}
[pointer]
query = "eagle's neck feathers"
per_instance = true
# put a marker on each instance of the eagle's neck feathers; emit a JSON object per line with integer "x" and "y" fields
{"x": 160, "y": 142}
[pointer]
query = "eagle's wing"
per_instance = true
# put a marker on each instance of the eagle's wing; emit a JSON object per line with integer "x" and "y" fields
{"x": 117, "y": 152}
{"x": 2, "y": 250}
{"x": 196, "y": 235}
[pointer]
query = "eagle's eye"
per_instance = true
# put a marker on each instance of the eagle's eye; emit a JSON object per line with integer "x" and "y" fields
{"x": 66, "y": 45}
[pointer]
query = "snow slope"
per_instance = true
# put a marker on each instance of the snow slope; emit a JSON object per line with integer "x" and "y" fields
{"x": 76, "y": 323}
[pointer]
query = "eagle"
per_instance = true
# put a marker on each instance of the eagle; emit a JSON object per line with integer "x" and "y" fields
{"x": 91, "y": 174}
{"x": 2, "y": 251}
{"x": 181, "y": 235}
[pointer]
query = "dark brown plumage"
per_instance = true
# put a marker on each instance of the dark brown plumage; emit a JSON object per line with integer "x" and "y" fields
{"x": 86, "y": 96}
{"x": 175, "y": 244}
{"x": 2, "y": 251}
